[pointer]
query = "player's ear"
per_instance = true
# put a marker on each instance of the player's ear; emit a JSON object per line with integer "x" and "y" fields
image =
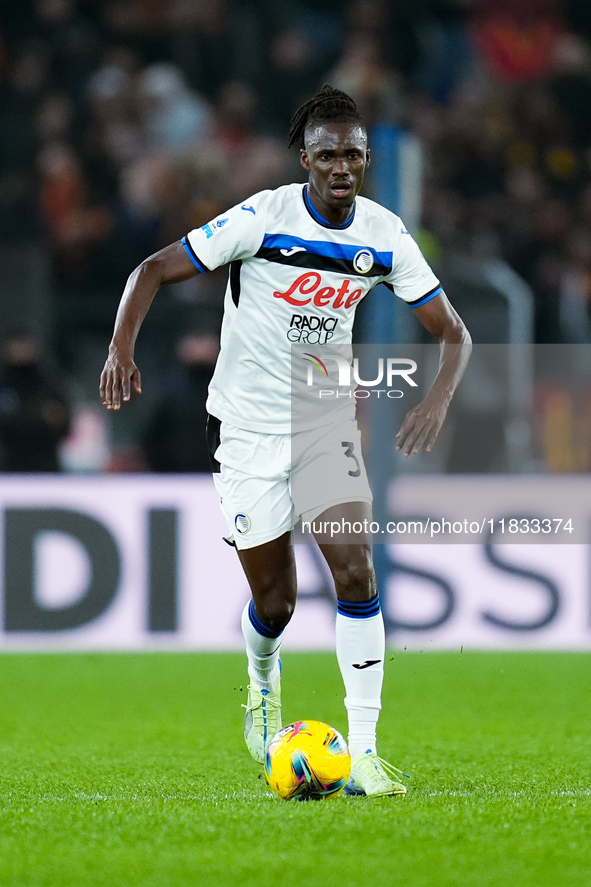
{"x": 367, "y": 157}
{"x": 304, "y": 159}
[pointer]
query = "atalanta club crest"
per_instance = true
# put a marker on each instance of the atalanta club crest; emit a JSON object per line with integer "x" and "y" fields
{"x": 363, "y": 261}
{"x": 242, "y": 523}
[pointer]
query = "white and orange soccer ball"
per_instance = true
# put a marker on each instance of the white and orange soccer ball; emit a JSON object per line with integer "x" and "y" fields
{"x": 307, "y": 760}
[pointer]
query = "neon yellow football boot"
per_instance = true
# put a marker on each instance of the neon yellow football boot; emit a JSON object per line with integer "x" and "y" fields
{"x": 372, "y": 776}
{"x": 262, "y": 720}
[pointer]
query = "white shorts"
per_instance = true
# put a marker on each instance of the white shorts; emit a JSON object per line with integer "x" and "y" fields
{"x": 267, "y": 482}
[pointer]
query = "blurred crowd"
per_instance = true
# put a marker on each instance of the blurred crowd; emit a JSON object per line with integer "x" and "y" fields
{"x": 125, "y": 123}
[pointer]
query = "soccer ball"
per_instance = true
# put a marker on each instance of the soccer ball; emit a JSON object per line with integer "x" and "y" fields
{"x": 307, "y": 760}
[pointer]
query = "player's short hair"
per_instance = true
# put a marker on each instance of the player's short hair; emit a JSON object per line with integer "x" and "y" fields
{"x": 330, "y": 105}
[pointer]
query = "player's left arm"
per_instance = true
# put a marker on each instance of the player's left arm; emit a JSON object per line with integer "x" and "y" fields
{"x": 423, "y": 423}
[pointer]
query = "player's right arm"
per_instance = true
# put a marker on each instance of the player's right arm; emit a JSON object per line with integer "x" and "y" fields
{"x": 236, "y": 234}
{"x": 120, "y": 373}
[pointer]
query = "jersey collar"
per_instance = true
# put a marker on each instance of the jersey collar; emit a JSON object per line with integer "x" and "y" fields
{"x": 320, "y": 219}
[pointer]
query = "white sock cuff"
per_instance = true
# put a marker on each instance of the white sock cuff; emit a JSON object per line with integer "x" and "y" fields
{"x": 363, "y": 709}
{"x": 255, "y": 641}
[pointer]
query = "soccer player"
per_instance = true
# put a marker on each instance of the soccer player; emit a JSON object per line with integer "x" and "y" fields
{"x": 300, "y": 256}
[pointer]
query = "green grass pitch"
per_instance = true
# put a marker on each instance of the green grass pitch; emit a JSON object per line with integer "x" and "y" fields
{"x": 124, "y": 770}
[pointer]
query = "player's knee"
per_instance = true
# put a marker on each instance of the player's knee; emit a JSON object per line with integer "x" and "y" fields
{"x": 355, "y": 580}
{"x": 275, "y": 609}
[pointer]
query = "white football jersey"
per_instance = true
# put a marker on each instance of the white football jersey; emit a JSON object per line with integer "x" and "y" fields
{"x": 295, "y": 279}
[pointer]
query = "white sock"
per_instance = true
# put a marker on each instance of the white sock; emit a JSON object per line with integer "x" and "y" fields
{"x": 360, "y": 646}
{"x": 262, "y": 651}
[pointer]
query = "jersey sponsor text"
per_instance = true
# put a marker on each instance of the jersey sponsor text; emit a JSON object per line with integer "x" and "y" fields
{"x": 309, "y": 283}
{"x": 311, "y": 329}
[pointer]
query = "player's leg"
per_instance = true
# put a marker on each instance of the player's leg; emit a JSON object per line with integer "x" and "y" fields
{"x": 271, "y": 574}
{"x": 250, "y": 471}
{"x": 270, "y": 570}
{"x": 331, "y": 491}
{"x": 360, "y": 646}
{"x": 360, "y": 637}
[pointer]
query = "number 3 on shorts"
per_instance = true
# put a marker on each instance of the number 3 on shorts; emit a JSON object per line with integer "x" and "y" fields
{"x": 349, "y": 452}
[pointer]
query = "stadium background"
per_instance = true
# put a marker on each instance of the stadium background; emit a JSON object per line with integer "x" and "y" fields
{"x": 124, "y": 124}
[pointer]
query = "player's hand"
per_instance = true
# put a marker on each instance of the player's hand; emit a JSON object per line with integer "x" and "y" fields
{"x": 421, "y": 427}
{"x": 119, "y": 376}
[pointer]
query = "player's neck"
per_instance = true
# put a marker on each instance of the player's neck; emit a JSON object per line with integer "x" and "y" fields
{"x": 334, "y": 216}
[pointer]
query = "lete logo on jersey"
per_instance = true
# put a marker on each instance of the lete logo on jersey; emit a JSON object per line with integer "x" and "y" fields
{"x": 309, "y": 283}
